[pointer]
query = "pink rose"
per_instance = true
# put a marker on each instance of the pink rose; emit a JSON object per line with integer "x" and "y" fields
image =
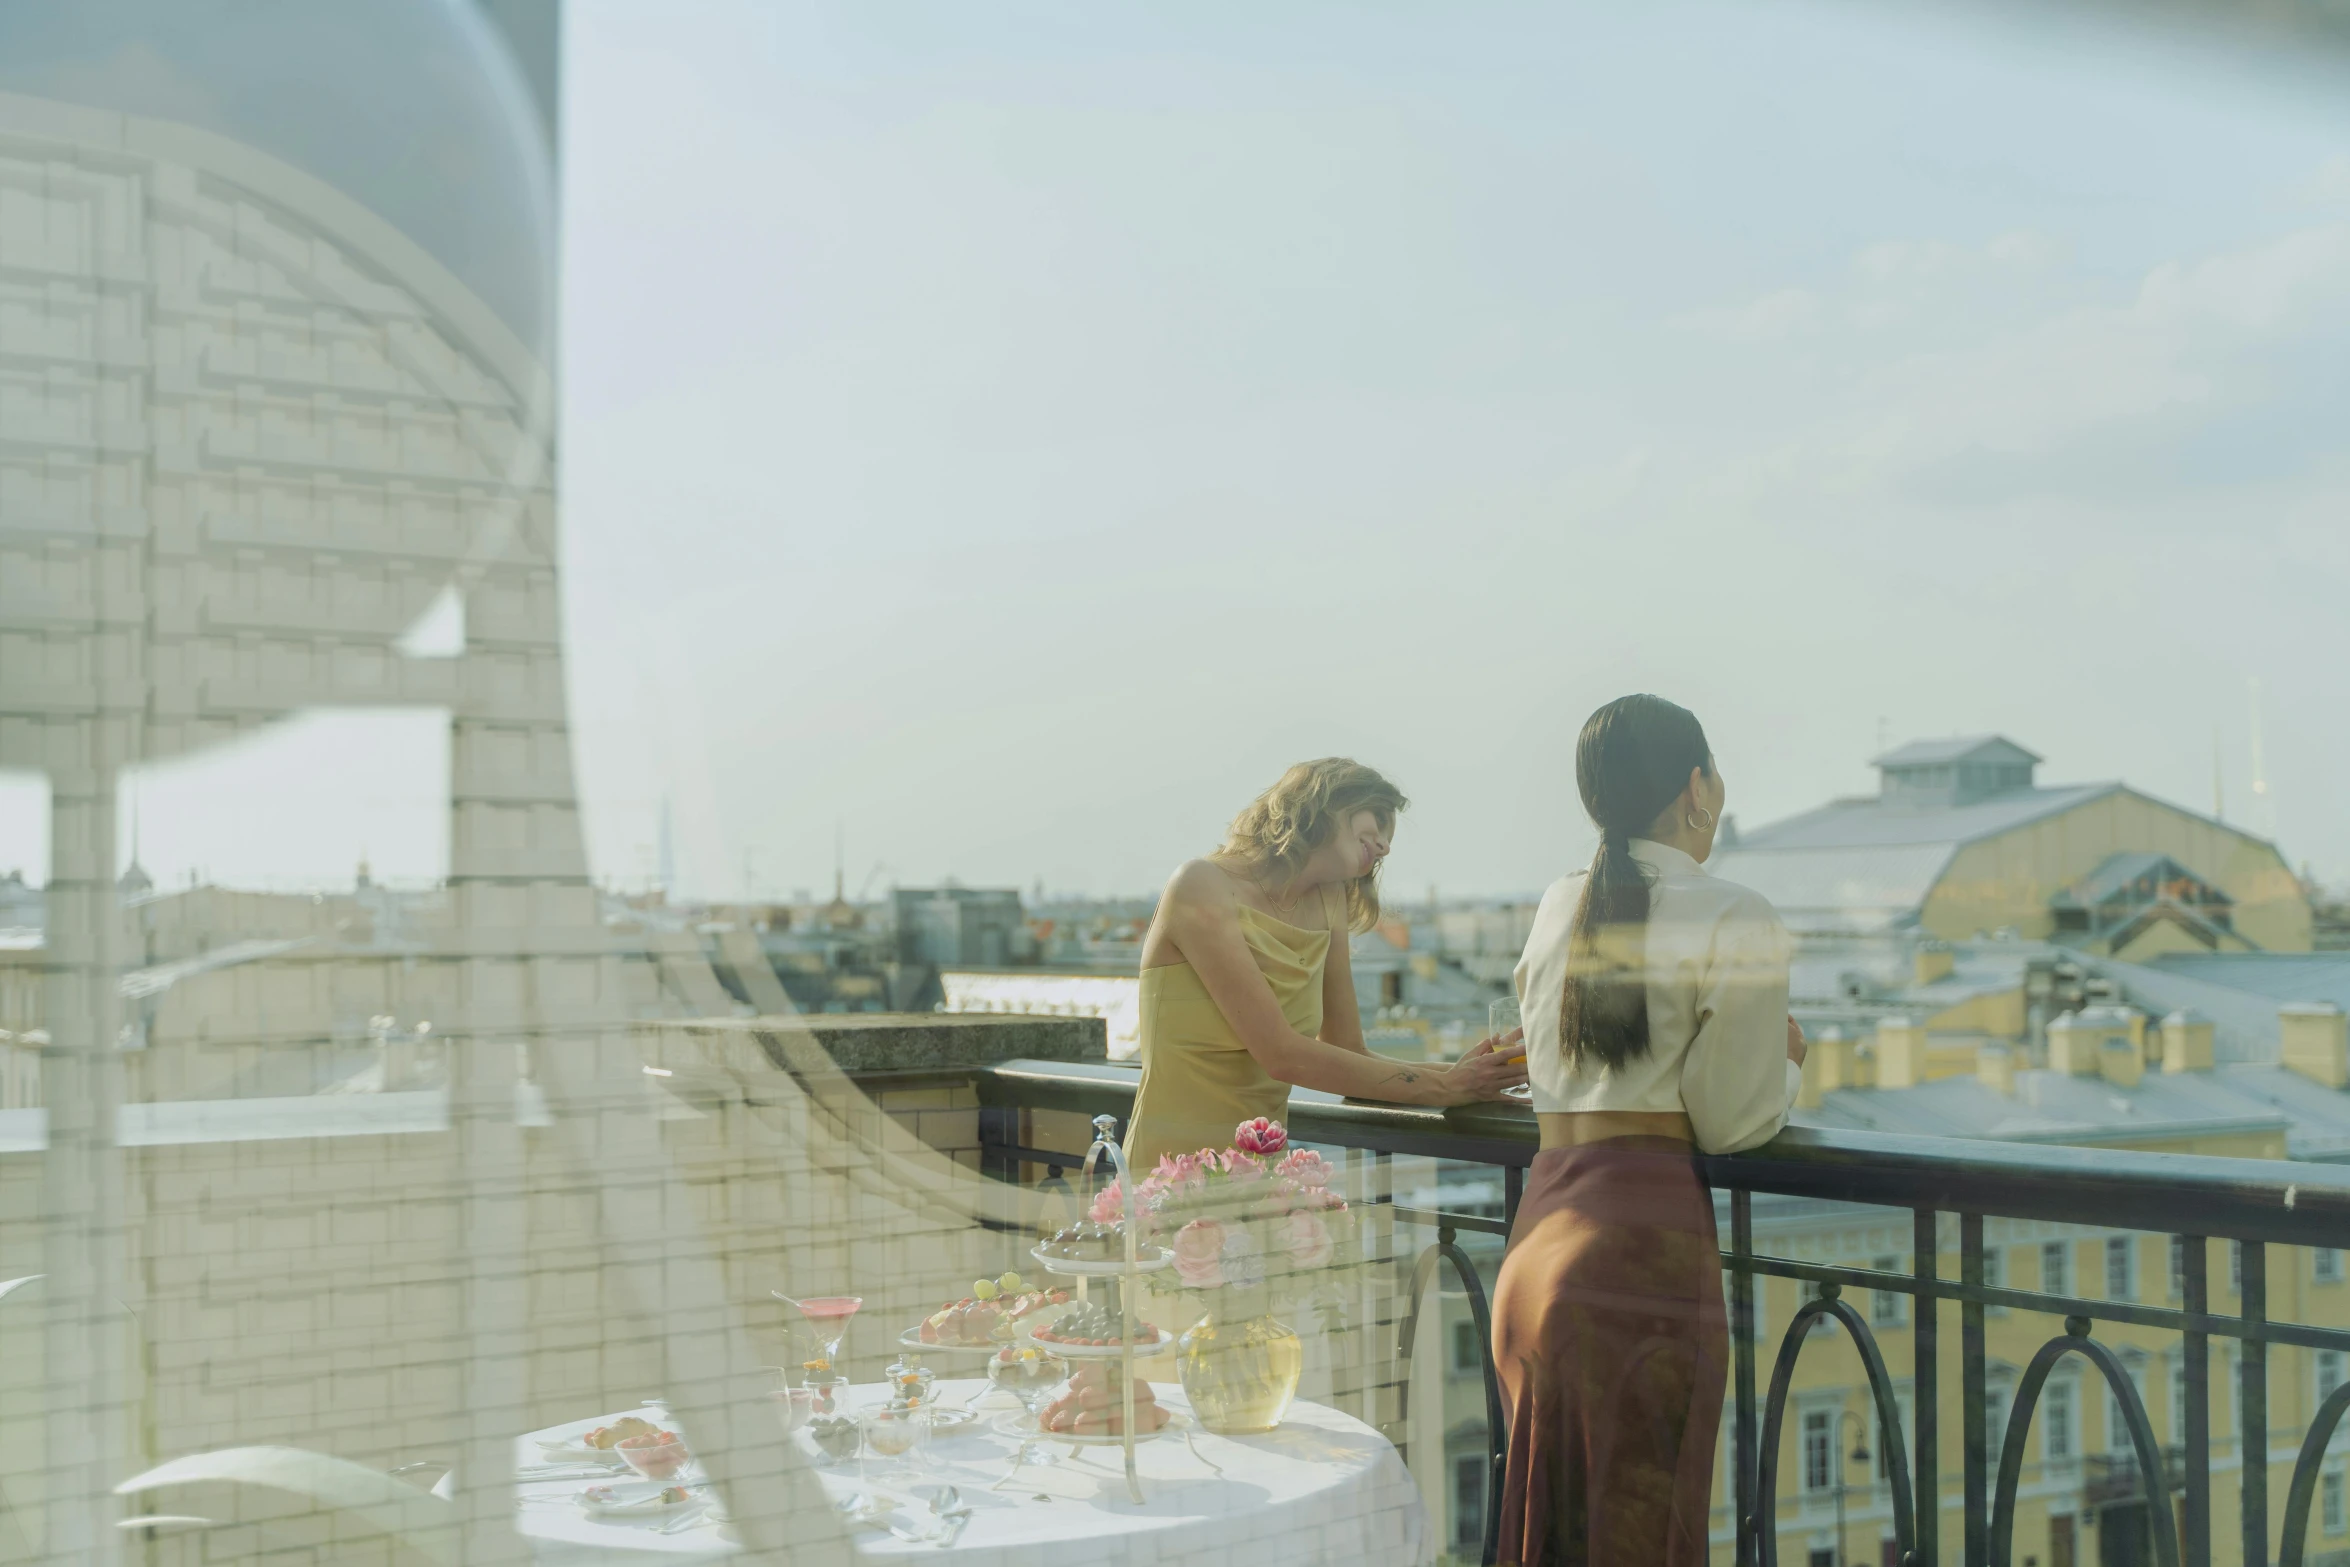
{"x": 1307, "y": 1238}
{"x": 1244, "y": 1172}
{"x": 1306, "y": 1167}
{"x": 1199, "y": 1254}
{"x": 1260, "y": 1136}
{"x": 1109, "y": 1205}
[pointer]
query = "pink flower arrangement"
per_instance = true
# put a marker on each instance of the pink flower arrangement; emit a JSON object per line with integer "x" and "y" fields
{"x": 1259, "y": 1212}
{"x": 1306, "y": 1168}
{"x": 1260, "y": 1136}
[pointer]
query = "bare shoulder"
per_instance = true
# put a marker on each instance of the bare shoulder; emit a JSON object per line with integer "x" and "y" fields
{"x": 1201, "y": 886}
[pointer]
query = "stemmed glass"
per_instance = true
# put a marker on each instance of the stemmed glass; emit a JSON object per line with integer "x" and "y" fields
{"x": 897, "y": 1431}
{"x": 826, "y": 1319}
{"x": 1032, "y": 1377}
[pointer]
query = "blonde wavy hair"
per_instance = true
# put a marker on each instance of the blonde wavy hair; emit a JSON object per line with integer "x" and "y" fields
{"x": 1278, "y": 831}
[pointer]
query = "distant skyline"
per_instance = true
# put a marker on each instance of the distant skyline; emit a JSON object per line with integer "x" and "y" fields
{"x": 1011, "y": 438}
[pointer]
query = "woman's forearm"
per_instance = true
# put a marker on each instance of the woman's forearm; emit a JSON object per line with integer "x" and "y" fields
{"x": 1357, "y": 1074}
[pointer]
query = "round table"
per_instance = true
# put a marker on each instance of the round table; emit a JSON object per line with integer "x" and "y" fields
{"x": 1323, "y": 1488}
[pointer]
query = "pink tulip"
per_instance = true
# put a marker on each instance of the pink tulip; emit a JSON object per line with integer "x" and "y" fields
{"x": 1260, "y": 1136}
{"x": 1306, "y": 1167}
{"x": 1243, "y": 1169}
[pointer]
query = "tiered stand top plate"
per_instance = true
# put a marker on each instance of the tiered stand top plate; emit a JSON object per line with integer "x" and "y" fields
{"x": 1026, "y": 1334}
{"x": 1107, "y": 1268}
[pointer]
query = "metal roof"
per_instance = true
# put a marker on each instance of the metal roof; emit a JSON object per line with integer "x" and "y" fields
{"x": 1870, "y": 823}
{"x": 1868, "y": 887}
{"x": 1924, "y": 753}
{"x": 2278, "y": 976}
{"x": 2115, "y": 872}
{"x": 2057, "y": 1107}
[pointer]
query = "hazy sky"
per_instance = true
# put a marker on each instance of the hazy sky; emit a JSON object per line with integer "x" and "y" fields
{"x": 1013, "y": 432}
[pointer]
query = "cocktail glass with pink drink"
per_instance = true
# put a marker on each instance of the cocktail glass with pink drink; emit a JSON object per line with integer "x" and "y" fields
{"x": 825, "y": 1319}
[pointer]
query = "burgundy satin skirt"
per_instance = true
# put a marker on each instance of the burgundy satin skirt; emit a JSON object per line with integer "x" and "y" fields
{"x": 1612, "y": 1342}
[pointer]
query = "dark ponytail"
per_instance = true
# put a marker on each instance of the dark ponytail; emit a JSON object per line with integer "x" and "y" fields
{"x": 1632, "y": 760}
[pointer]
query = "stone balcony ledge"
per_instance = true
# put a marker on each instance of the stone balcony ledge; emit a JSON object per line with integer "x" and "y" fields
{"x": 897, "y": 1045}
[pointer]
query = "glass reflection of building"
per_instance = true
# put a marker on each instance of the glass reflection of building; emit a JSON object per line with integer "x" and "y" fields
{"x": 276, "y": 292}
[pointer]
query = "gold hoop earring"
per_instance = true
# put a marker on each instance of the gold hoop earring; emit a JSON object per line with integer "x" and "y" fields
{"x": 1689, "y": 818}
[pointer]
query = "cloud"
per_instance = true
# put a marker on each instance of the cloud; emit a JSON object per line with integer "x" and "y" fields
{"x": 2012, "y": 377}
{"x": 2330, "y": 185}
{"x": 1791, "y": 312}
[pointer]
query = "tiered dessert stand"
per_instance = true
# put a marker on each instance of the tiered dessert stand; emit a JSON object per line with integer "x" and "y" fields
{"x": 1120, "y": 1274}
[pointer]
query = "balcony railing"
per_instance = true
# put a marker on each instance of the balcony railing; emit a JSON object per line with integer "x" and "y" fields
{"x": 2256, "y": 1203}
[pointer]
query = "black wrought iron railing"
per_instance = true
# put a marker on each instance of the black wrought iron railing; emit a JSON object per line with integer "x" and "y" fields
{"x": 2254, "y": 1203}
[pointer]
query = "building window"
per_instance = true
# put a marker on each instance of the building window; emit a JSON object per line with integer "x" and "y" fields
{"x": 1887, "y": 1308}
{"x": 1995, "y": 1407}
{"x": 1468, "y": 1502}
{"x": 1995, "y": 1274}
{"x": 2178, "y": 1398}
{"x": 2327, "y": 1265}
{"x": 1821, "y": 1558}
{"x": 1822, "y": 1324}
{"x": 1466, "y": 1359}
{"x": 1819, "y": 1449}
{"x": 2329, "y": 1372}
{"x": 2056, "y": 1421}
{"x": 2056, "y": 1268}
{"x": 2121, "y": 1268}
{"x": 2236, "y": 1266}
{"x": 2178, "y": 1266}
{"x": 2331, "y": 1508}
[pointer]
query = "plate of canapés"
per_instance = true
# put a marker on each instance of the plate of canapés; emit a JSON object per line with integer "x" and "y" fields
{"x": 636, "y": 1499}
{"x": 602, "y": 1444}
{"x": 1093, "y": 1249}
{"x": 1091, "y": 1329}
{"x": 989, "y": 1316}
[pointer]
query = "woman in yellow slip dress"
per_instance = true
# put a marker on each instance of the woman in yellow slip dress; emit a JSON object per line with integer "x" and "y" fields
{"x": 1247, "y": 988}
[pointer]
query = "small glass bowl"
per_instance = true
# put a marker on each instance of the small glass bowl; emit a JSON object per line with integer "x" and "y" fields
{"x": 652, "y": 1457}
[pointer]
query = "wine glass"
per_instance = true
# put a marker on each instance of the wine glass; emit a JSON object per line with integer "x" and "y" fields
{"x": 1032, "y": 1376}
{"x": 826, "y": 1320}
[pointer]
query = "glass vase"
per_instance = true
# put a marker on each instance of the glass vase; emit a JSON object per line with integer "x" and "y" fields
{"x": 1240, "y": 1373}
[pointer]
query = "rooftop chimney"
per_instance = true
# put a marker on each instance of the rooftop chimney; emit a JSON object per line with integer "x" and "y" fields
{"x": 1901, "y": 1053}
{"x": 2119, "y": 1061}
{"x": 2315, "y": 1041}
{"x": 2186, "y": 1042}
{"x": 1995, "y": 1068}
{"x": 1933, "y": 961}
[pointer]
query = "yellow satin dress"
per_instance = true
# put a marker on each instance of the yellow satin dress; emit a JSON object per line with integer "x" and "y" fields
{"x": 1198, "y": 1079}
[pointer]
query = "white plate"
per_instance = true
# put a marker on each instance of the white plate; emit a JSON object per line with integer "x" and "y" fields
{"x": 1145, "y": 1262}
{"x": 912, "y": 1339}
{"x": 580, "y": 1453}
{"x": 636, "y": 1499}
{"x": 1020, "y": 1424}
{"x": 1092, "y": 1351}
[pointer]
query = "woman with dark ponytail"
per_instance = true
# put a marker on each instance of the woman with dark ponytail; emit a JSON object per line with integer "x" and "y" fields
{"x": 1655, "y": 1004}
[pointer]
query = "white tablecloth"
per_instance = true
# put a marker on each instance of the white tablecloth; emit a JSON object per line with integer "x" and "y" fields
{"x": 1325, "y": 1488}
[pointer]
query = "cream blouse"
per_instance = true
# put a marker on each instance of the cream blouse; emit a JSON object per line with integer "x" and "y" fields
{"x": 1717, "y": 1007}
